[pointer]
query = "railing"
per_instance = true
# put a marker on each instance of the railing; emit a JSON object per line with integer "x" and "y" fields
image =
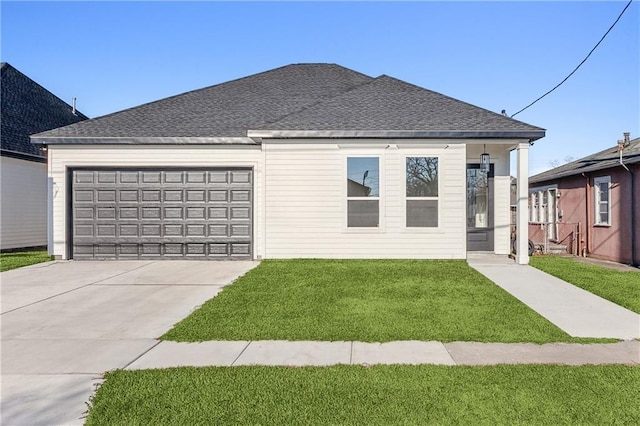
{"x": 548, "y": 236}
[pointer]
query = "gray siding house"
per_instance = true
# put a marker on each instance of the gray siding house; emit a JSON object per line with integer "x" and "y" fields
{"x": 27, "y": 108}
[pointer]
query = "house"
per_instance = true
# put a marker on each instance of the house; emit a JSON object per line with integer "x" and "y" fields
{"x": 306, "y": 160}
{"x": 591, "y": 205}
{"x": 27, "y": 108}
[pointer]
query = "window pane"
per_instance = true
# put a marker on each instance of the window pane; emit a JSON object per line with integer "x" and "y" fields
{"x": 477, "y": 198}
{"x": 362, "y": 213}
{"x": 604, "y": 191}
{"x": 604, "y": 215}
{"x": 422, "y": 213}
{"x": 363, "y": 177}
{"x": 422, "y": 177}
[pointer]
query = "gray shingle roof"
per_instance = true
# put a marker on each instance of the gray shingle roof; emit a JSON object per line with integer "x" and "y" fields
{"x": 386, "y": 103}
{"x": 227, "y": 109}
{"x": 28, "y": 108}
{"x": 295, "y": 98}
{"x": 605, "y": 159}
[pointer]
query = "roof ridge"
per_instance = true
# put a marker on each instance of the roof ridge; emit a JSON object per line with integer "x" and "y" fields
{"x": 201, "y": 89}
{"x": 457, "y": 100}
{"x": 8, "y": 66}
{"x": 313, "y": 105}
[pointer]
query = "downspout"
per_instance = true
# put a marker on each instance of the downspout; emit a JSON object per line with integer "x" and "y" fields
{"x": 621, "y": 146}
{"x": 585, "y": 248}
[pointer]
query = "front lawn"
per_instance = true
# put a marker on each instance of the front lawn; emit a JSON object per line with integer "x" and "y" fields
{"x": 378, "y": 395}
{"x": 619, "y": 287}
{"x": 18, "y": 259}
{"x": 365, "y": 300}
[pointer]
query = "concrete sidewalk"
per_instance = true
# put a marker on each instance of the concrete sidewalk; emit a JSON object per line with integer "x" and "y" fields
{"x": 574, "y": 310}
{"x": 311, "y": 353}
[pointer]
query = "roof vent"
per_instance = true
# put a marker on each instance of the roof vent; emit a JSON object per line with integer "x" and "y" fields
{"x": 627, "y": 142}
{"x": 73, "y": 107}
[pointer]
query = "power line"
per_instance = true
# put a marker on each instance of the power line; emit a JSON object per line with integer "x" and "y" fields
{"x": 580, "y": 64}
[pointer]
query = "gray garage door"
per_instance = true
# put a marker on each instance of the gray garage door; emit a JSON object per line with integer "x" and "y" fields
{"x": 162, "y": 214}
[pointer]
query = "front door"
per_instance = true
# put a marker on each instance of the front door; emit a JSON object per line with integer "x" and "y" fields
{"x": 479, "y": 208}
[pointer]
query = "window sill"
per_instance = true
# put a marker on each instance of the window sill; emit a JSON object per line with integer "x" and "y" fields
{"x": 602, "y": 225}
{"x": 363, "y": 230}
{"x": 422, "y": 230}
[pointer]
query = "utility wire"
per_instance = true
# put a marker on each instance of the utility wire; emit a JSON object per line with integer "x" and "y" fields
{"x": 580, "y": 64}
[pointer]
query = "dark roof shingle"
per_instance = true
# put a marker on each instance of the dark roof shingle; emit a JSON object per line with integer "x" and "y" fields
{"x": 28, "y": 108}
{"x": 224, "y": 110}
{"x": 386, "y": 103}
{"x": 299, "y": 97}
{"x": 605, "y": 159}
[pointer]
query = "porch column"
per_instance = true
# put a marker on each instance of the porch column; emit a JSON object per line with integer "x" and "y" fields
{"x": 522, "y": 218}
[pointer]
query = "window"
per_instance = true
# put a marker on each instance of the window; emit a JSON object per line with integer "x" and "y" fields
{"x": 543, "y": 205}
{"x": 422, "y": 192}
{"x": 533, "y": 207}
{"x": 363, "y": 192}
{"x": 602, "y": 186}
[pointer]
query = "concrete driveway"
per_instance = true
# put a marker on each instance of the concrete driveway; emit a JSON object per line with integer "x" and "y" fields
{"x": 65, "y": 323}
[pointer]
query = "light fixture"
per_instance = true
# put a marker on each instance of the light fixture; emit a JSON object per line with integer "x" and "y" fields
{"x": 484, "y": 159}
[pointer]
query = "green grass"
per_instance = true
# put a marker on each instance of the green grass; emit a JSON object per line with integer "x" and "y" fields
{"x": 379, "y": 395}
{"x": 365, "y": 300}
{"x": 619, "y": 287}
{"x": 13, "y": 260}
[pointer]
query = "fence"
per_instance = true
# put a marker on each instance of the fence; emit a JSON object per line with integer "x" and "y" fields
{"x": 552, "y": 237}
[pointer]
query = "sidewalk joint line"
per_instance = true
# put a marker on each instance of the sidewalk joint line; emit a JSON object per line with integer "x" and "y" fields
{"x": 141, "y": 355}
{"x": 241, "y": 352}
{"x": 122, "y": 273}
{"x": 69, "y": 291}
{"x": 450, "y": 356}
{"x": 351, "y": 354}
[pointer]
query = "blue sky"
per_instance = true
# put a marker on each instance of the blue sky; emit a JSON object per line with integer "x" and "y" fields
{"x": 497, "y": 55}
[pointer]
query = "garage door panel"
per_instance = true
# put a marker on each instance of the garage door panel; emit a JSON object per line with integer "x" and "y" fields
{"x": 134, "y": 214}
{"x": 151, "y": 177}
{"x": 84, "y": 177}
{"x": 241, "y": 176}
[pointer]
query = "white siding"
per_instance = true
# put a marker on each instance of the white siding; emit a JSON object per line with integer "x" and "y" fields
{"x": 300, "y": 200}
{"x": 305, "y": 202}
{"x": 23, "y": 201}
{"x": 61, "y": 158}
{"x": 502, "y": 214}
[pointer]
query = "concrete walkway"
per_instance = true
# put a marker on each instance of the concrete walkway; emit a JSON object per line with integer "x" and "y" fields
{"x": 65, "y": 323}
{"x": 574, "y": 310}
{"x": 311, "y": 353}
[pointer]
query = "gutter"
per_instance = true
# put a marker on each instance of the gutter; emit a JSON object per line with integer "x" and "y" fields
{"x": 621, "y": 146}
{"x": 531, "y": 135}
{"x": 585, "y": 248}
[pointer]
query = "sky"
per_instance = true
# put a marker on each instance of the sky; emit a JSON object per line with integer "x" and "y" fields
{"x": 496, "y": 55}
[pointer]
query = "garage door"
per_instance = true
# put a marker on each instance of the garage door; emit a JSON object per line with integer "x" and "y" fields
{"x": 162, "y": 214}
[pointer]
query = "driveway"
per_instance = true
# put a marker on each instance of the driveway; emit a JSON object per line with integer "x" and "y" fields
{"x": 65, "y": 323}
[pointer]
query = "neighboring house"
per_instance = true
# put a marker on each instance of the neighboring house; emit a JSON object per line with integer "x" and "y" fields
{"x": 591, "y": 205}
{"x": 306, "y": 160}
{"x": 27, "y": 108}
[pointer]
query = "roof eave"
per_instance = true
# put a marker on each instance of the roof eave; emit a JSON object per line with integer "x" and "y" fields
{"x": 587, "y": 170}
{"x": 531, "y": 135}
{"x": 149, "y": 140}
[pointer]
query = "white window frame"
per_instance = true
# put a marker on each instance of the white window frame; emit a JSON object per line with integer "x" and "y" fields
{"x": 404, "y": 192}
{"x": 540, "y": 212}
{"x": 597, "y": 200}
{"x": 552, "y": 213}
{"x": 346, "y": 198}
{"x": 533, "y": 207}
